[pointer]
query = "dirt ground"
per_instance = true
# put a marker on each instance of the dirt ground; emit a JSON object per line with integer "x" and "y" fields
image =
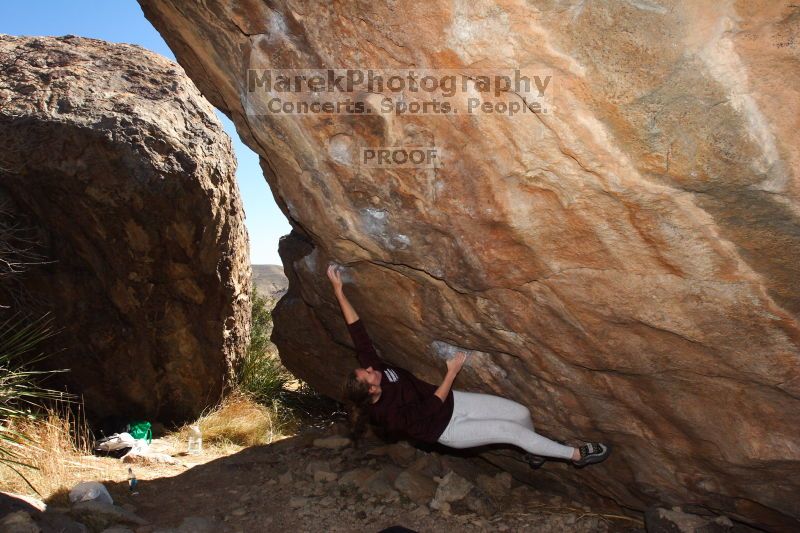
{"x": 295, "y": 485}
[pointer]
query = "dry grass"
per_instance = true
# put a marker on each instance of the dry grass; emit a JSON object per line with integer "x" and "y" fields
{"x": 59, "y": 452}
{"x": 238, "y": 421}
{"x": 60, "y": 448}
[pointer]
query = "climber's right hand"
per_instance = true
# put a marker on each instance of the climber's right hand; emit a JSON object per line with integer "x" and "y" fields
{"x": 456, "y": 362}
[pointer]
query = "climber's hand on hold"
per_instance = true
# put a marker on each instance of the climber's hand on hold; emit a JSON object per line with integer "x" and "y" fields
{"x": 336, "y": 277}
{"x": 456, "y": 362}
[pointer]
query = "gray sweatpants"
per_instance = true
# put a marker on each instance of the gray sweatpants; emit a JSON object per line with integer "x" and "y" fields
{"x": 480, "y": 419}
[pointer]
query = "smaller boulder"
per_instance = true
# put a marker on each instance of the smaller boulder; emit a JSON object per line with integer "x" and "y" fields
{"x": 323, "y": 476}
{"x": 90, "y": 491}
{"x": 313, "y": 466}
{"x": 480, "y": 503}
{"x": 19, "y": 522}
{"x": 429, "y": 464}
{"x": 415, "y": 486}
{"x": 297, "y": 502}
{"x": 497, "y": 487}
{"x": 10, "y": 502}
{"x": 357, "y": 477}
{"x": 400, "y": 453}
{"x": 452, "y": 488}
{"x": 199, "y": 524}
{"x": 380, "y": 485}
{"x": 661, "y": 520}
{"x": 61, "y": 522}
{"x": 334, "y": 442}
{"x": 149, "y": 458}
{"x": 98, "y": 515}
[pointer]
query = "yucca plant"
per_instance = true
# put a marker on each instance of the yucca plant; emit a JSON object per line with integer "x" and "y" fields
{"x": 21, "y": 392}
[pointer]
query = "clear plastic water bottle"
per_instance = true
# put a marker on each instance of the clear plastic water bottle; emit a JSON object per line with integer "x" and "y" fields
{"x": 132, "y": 481}
{"x": 195, "y": 441}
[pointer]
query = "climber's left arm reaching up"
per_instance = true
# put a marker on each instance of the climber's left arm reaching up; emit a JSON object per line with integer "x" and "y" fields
{"x": 350, "y": 315}
{"x": 365, "y": 351}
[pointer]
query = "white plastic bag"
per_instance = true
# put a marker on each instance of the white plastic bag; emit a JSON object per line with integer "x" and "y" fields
{"x": 117, "y": 441}
{"x": 139, "y": 449}
{"x": 88, "y": 491}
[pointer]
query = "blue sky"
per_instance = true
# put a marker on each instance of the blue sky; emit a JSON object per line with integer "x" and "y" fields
{"x": 122, "y": 21}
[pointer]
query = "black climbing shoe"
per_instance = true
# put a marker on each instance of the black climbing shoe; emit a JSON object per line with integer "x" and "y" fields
{"x": 534, "y": 461}
{"x": 591, "y": 452}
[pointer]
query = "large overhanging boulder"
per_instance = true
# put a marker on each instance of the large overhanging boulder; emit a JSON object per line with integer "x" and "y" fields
{"x": 111, "y": 153}
{"x": 626, "y": 265}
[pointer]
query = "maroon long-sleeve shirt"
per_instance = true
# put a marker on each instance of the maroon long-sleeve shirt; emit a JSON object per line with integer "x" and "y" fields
{"x": 408, "y": 406}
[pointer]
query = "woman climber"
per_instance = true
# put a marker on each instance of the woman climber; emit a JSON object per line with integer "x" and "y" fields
{"x": 405, "y": 405}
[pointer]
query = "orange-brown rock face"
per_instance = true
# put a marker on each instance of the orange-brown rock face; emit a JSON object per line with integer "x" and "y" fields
{"x": 114, "y": 157}
{"x": 624, "y": 264}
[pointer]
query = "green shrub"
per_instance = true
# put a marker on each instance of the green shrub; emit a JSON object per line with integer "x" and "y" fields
{"x": 261, "y": 374}
{"x": 263, "y": 377}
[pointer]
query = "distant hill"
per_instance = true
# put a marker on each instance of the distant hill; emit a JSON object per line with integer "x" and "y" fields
{"x": 270, "y": 281}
